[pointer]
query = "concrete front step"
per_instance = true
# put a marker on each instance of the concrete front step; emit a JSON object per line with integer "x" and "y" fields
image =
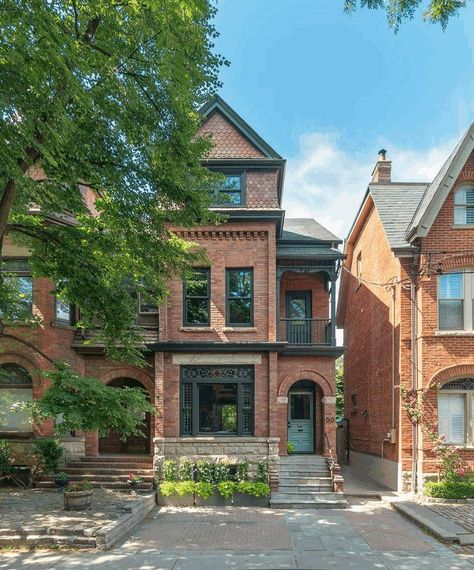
{"x": 286, "y": 480}
{"x": 146, "y": 486}
{"x": 303, "y": 474}
{"x": 104, "y": 465}
{"x": 102, "y": 478}
{"x": 303, "y": 489}
{"x": 118, "y": 458}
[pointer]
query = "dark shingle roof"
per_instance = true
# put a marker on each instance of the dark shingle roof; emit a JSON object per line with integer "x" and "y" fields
{"x": 306, "y": 229}
{"x": 396, "y": 203}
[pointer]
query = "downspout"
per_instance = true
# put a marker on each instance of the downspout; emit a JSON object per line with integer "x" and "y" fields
{"x": 414, "y": 374}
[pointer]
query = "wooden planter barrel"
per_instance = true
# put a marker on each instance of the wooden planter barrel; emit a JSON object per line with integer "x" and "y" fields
{"x": 77, "y": 500}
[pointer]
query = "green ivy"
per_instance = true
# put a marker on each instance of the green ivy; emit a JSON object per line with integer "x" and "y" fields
{"x": 168, "y": 470}
{"x": 242, "y": 471}
{"x": 205, "y": 471}
{"x": 261, "y": 472}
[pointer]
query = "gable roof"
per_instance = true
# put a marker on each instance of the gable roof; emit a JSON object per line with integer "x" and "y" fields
{"x": 437, "y": 192}
{"x": 218, "y": 104}
{"x": 396, "y": 203}
{"x": 306, "y": 230}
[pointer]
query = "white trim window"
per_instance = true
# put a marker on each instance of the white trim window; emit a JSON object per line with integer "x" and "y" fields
{"x": 455, "y": 411}
{"x": 464, "y": 206}
{"x": 456, "y": 300}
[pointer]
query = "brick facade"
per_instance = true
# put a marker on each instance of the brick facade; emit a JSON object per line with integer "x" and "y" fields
{"x": 378, "y": 326}
{"x": 236, "y": 243}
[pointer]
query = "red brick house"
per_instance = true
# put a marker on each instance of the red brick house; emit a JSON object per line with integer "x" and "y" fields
{"x": 238, "y": 347}
{"x": 406, "y": 305}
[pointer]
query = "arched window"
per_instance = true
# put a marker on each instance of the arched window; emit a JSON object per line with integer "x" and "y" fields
{"x": 455, "y": 410}
{"x": 15, "y": 386}
{"x": 464, "y": 206}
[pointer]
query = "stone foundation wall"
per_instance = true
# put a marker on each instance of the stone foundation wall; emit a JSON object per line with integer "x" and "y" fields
{"x": 225, "y": 449}
{"x": 74, "y": 447}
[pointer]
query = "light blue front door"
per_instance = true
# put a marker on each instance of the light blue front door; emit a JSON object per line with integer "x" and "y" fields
{"x": 301, "y": 421}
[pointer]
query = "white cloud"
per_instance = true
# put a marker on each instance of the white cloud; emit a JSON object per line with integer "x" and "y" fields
{"x": 326, "y": 182}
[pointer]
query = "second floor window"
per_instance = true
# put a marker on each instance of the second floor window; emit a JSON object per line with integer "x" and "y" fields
{"x": 455, "y": 300}
{"x": 17, "y": 272}
{"x": 62, "y": 311}
{"x": 230, "y": 192}
{"x": 239, "y": 290}
{"x": 197, "y": 298}
{"x": 464, "y": 206}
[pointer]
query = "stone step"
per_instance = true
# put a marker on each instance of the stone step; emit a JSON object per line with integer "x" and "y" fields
{"x": 118, "y": 458}
{"x": 32, "y": 540}
{"x": 76, "y": 530}
{"x": 303, "y": 474}
{"x": 104, "y": 478}
{"x": 148, "y": 486}
{"x": 105, "y": 465}
{"x": 302, "y": 459}
{"x": 320, "y": 504}
{"x": 304, "y": 496}
{"x": 87, "y": 470}
{"x": 288, "y": 480}
{"x": 303, "y": 489}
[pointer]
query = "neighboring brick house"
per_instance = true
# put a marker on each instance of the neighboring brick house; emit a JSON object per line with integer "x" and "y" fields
{"x": 406, "y": 304}
{"x": 243, "y": 341}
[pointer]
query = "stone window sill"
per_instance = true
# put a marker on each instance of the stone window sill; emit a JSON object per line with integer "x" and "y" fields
{"x": 196, "y": 329}
{"x": 240, "y": 329}
{"x": 454, "y": 333}
{"x": 462, "y": 226}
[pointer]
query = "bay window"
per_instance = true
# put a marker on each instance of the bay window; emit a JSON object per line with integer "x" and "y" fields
{"x": 217, "y": 400}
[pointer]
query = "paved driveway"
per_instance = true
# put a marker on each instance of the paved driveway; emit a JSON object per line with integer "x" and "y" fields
{"x": 366, "y": 536}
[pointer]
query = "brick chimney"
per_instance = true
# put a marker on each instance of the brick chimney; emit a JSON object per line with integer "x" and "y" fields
{"x": 382, "y": 172}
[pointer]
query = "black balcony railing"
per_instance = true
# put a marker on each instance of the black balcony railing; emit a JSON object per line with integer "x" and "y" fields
{"x": 306, "y": 331}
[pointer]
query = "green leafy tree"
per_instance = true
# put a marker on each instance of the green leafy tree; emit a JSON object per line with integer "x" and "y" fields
{"x": 435, "y": 11}
{"x": 340, "y": 388}
{"x": 101, "y": 96}
{"x": 86, "y": 404}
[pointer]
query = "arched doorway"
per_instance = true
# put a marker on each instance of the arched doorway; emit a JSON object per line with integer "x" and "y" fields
{"x": 139, "y": 445}
{"x": 16, "y": 386}
{"x": 304, "y": 417}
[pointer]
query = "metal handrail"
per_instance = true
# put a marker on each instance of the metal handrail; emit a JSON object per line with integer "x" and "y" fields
{"x": 305, "y": 330}
{"x": 331, "y": 457}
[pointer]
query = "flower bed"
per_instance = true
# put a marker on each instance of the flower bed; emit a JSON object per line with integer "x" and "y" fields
{"x": 184, "y": 483}
{"x": 449, "y": 490}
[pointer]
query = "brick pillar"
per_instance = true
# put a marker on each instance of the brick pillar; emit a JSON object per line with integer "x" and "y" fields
{"x": 272, "y": 394}
{"x": 329, "y": 424}
{"x": 91, "y": 443}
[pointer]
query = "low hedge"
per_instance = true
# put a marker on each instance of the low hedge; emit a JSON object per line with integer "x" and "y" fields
{"x": 449, "y": 490}
{"x": 205, "y": 490}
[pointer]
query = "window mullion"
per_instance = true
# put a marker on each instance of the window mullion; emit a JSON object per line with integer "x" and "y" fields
{"x": 467, "y": 301}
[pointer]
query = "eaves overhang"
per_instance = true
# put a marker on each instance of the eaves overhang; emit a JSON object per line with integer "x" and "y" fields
{"x": 223, "y": 347}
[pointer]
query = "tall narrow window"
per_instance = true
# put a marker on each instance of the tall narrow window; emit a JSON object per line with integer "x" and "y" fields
{"x": 15, "y": 388}
{"x": 62, "y": 311}
{"x": 17, "y": 274}
{"x": 197, "y": 299}
{"x": 239, "y": 285}
{"x": 464, "y": 206}
{"x": 451, "y": 301}
{"x": 230, "y": 192}
{"x": 455, "y": 409}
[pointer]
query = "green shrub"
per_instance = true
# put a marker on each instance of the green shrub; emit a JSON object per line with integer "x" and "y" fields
{"x": 205, "y": 471}
{"x": 6, "y": 456}
{"x": 450, "y": 490}
{"x": 242, "y": 471}
{"x": 168, "y": 488}
{"x": 261, "y": 476}
{"x": 226, "y": 488}
{"x": 254, "y": 489}
{"x": 203, "y": 489}
{"x": 168, "y": 470}
{"x": 50, "y": 451}
{"x": 290, "y": 447}
{"x": 185, "y": 470}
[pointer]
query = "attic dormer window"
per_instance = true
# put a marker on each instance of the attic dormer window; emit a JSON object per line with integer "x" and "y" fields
{"x": 230, "y": 192}
{"x": 464, "y": 206}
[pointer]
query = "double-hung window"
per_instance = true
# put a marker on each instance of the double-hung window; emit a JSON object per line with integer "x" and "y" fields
{"x": 455, "y": 300}
{"x": 16, "y": 387}
{"x": 197, "y": 292}
{"x": 17, "y": 275}
{"x": 456, "y": 411}
{"x": 217, "y": 400}
{"x": 230, "y": 192}
{"x": 239, "y": 297}
{"x": 464, "y": 206}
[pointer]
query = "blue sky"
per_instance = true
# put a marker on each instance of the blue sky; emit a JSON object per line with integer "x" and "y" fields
{"x": 327, "y": 90}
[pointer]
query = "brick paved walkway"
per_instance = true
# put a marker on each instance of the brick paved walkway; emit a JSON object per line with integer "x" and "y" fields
{"x": 367, "y": 536}
{"x": 32, "y": 509}
{"x": 461, "y": 514}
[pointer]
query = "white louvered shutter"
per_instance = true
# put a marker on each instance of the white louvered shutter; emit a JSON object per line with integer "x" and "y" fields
{"x": 451, "y": 417}
{"x": 443, "y": 415}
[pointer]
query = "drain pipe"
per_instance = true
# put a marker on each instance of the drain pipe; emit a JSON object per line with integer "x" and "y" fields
{"x": 414, "y": 384}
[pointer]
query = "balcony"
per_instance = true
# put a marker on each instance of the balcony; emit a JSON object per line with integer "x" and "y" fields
{"x": 306, "y": 332}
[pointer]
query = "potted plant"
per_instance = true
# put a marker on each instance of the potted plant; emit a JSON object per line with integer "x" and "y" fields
{"x": 61, "y": 479}
{"x": 77, "y": 496}
{"x": 133, "y": 480}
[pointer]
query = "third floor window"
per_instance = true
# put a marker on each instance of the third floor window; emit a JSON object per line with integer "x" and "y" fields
{"x": 456, "y": 300}
{"x": 231, "y": 191}
{"x": 464, "y": 206}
